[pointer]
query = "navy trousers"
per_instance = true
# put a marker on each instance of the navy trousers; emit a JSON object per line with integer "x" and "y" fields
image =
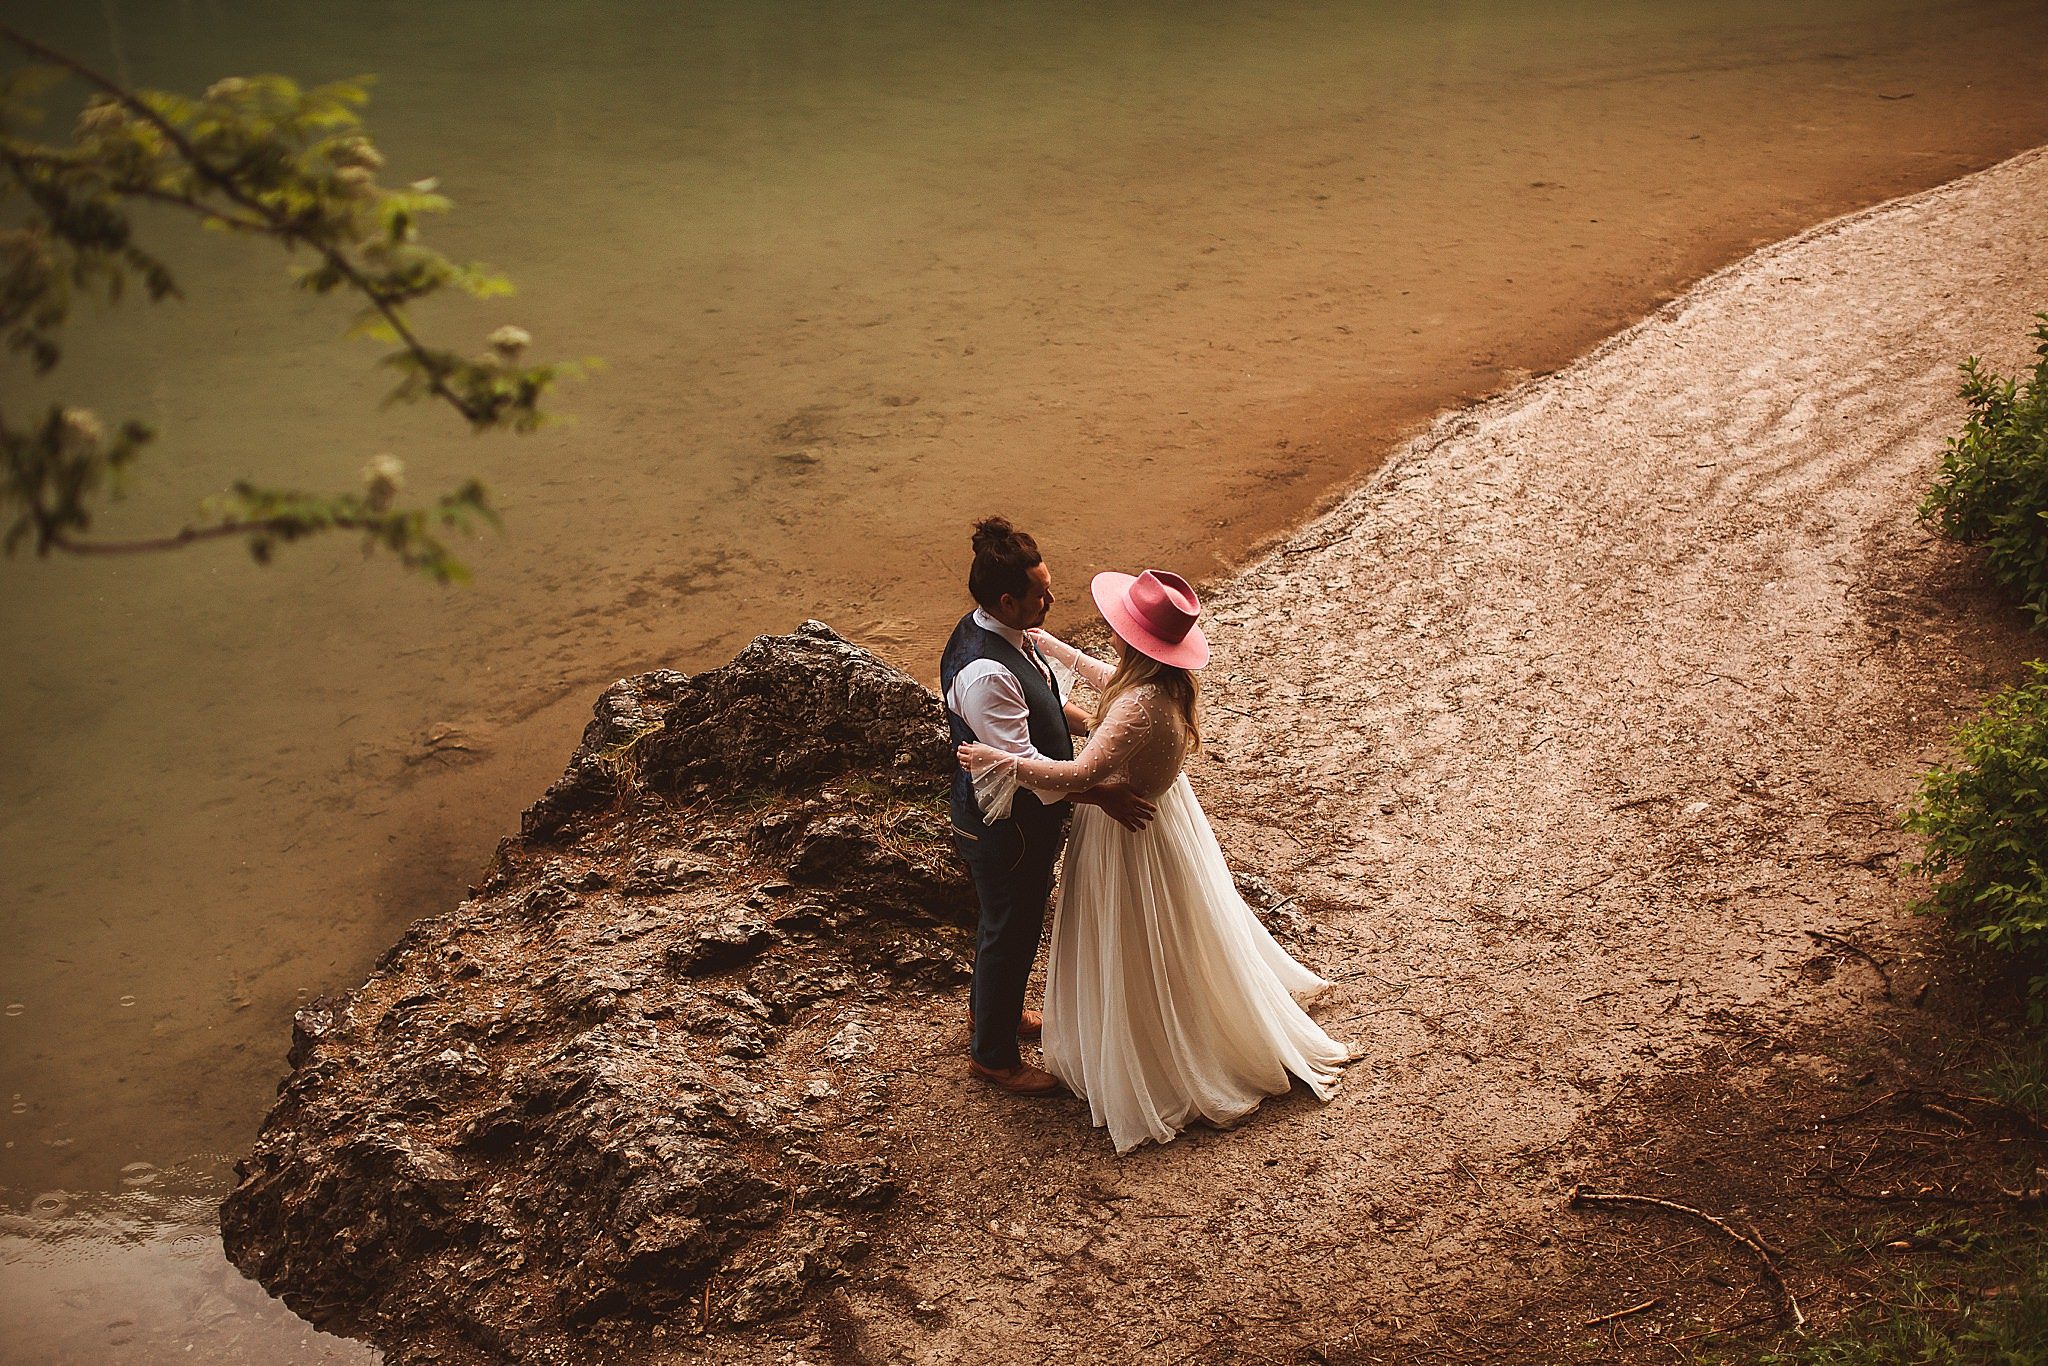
{"x": 1012, "y": 866}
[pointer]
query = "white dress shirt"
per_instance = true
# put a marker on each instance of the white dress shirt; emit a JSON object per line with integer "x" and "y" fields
{"x": 987, "y": 697}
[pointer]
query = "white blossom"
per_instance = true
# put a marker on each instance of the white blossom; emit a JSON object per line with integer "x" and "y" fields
{"x": 355, "y": 180}
{"x": 385, "y": 475}
{"x": 356, "y": 152}
{"x": 226, "y": 88}
{"x": 80, "y": 429}
{"x": 508, "y": 341}
{"x": 101, "y": 115}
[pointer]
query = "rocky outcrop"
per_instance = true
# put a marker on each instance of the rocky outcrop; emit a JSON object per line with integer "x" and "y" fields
{"x": 632, "y": 1061}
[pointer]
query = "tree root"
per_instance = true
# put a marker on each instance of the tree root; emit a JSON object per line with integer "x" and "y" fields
{"x": 2028, "y": 1120}
{"x": 1851, "y": 947}
{"x": 1581, "y": 1195}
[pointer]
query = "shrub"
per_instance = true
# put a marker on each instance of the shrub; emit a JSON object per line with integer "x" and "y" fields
{"x": 1986, "y": 824}
{"x": 1988, "y": 1305}
{"x": 1993, "y": 489}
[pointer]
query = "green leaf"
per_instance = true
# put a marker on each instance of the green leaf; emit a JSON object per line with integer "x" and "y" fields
{"x": 260, "y": 156}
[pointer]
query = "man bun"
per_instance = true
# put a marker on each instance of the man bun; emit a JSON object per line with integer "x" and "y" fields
{"x": 990, "y": 532}
{"x": 1003, "y": 560}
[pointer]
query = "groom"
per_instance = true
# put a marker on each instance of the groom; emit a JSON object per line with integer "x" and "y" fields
{"x": 1000, "y": 690}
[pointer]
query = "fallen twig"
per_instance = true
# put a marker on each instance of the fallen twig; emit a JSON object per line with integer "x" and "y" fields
{"x": 1582, "y": 1196}
{"x": 1620, "y": 1314}
{"x": 1947, "y": 1113}
{"x": 1589, "y": 886}
{"x": 2026, "y": 1117}
{"x": 1902, "y": 1197}
{"x": 1859, "y": 951}
{"x": 1851, "y": 1114}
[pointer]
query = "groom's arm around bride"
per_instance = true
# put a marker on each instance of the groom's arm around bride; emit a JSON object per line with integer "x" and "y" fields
{"x": 1000, "y": 690}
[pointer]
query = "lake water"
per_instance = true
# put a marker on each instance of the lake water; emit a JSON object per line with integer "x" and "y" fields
{"x": 1151, "y": 277}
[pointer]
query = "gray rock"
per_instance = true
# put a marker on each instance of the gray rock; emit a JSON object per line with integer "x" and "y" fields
{"x": 666, "y": 871}
{"x": 720, "y": 947}
{"x": 550, "y": 1118}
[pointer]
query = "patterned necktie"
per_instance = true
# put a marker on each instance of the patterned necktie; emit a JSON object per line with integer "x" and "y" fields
{"x": 1044, "y": 665}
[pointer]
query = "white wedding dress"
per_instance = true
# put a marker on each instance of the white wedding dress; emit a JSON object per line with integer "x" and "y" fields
{"x": 1166, "y": 1001}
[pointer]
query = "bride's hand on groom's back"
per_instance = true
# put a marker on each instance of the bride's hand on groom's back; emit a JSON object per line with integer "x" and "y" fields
{"x": 1123, "y": 805}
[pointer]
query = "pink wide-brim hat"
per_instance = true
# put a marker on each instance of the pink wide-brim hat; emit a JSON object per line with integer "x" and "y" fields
{"x": 1154, "y": 613}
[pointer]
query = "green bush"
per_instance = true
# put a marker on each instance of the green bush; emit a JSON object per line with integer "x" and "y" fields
{"x": 1993, "y": 489}
{"x": 1986, "y": 1307}
{"x": 1986, "y": 823}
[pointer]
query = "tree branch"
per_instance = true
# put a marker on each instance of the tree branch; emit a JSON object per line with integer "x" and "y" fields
{"x": 204, "y": 211}
{"x": 185, "y": 536}
{"x": 274, "y": 221}
{"x": 418, "y": 548}
{"x": 20, "y": 157}
{"x": 1586, "y": 1195}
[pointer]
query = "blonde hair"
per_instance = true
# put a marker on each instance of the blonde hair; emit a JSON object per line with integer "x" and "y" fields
{"x": 1138, "y": 668}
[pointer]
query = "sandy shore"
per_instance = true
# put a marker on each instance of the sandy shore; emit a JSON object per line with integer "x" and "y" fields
{"x": 1564, "y": 728}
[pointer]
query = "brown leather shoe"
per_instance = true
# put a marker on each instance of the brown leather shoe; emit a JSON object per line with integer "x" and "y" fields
{"x": 1029, "y": 1025}
{"x": 1021, "y": 1080}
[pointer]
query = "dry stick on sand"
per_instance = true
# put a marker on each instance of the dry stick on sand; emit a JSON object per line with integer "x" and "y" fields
{"x": 1918, "y": 1096}
{"x": 1868, "y": 1105}
{"x": 1859, "y": 951}
{"x": 1582, "y": 1196}
{"x": 2025, "y": 1116}
{"x": 1621, "y": 1314}
{"x": 1589, "y": 886}
{"x": 1947, "y": 1113}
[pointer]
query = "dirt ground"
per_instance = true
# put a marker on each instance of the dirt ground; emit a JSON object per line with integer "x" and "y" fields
{"x": 1568, "y": 733}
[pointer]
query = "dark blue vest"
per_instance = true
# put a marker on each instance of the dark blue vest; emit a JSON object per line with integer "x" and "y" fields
{"x": 1048, "y": 723}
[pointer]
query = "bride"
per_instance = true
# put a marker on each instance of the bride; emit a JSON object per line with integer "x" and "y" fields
{"x": 1166, "y": 1001}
